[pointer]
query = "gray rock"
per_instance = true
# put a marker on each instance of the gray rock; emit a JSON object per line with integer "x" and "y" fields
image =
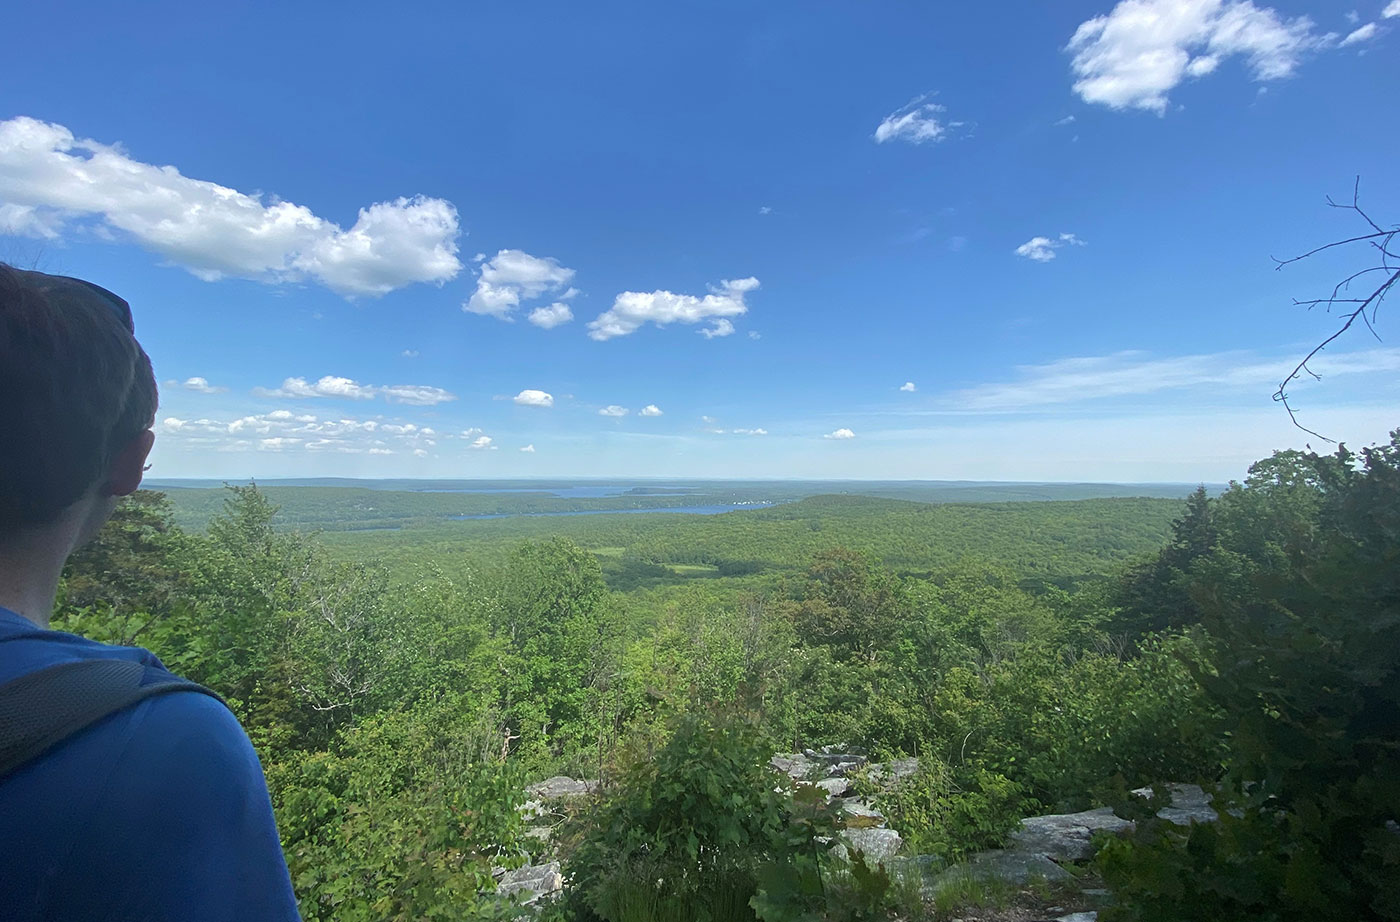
{"x": 1067, "y": 836}
{"x": 1089, "y": 916}
{"x": 827, "y": 755}
{"x": 878, "y": 846}
{"x": 860, "y": 815}
{"x": 542, "y": 834}
{"x": 889, "y": 774}
{"x": 845, "y": 769}
{"x": 1189, "y": 804}
{"x": 835, "y": 787}
{"x": 795, "y": 765}
{"x": 559, "y": 787}
{"x": 532, "y": 881}
{"x": 531, "y": 810}
{"x": 1014, "y": 867}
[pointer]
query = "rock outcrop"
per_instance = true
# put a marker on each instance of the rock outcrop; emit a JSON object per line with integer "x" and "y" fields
{"x": 532, "y": 882}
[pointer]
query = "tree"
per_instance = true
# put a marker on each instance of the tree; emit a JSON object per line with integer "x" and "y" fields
{"x": 1351, "y": 309}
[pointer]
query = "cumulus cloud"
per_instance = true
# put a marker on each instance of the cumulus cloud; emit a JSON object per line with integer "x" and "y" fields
{"x": 722, "y": 327}
{"x": 1391, "y": 10}
{"x": 528, "y": 449}
{"x": 337, "y": 387}
{"x": 918, "y": 122}
{"x": 908, "y": 387}
{"x": 201, "y": 386}
{"x": 482, "y": 443}
{"x": 28, "y": 221}
{"x": 418, "y": 395}
{"x": 633, "y": 309}
{"x": 409, "y": 354}
{"x": 766, "y": 210}
{"x": 282, "y": 430}
{"x": 533, "y": 398}
{"x": 1135, "y": 55}
{"x": 512, "y": 276}
{"x": 750, "y": 431}
{"x": 52, "y": 178}
{"x": 1042, "y": 249}
{"x": 551, "y": 316}
{"x": 650, "y": 409}
{"x": 613, "y": 410}
{"x": 1363, "y": 34}
{"x": 840, "y": 434}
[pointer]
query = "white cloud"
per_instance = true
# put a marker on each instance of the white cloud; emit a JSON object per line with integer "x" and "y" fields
{"x": 707, "y": 419}
{"x": 613, "y": 410}
{"x": 632, "y": 309}
{"x": 337, "y": 387}
{"x": 533, "y": 398}
{"x": 917, "y": 122}
{"x": 528, "y": 449}
{"x": 419, "y": 395}
{"x": 409, "y": 354}
{"x": 754, "y": 334}
{"x": 750, "y": 431}
{"x": 650, "y": 409}
{"x": 766, "y": 210}
{"x": 840, "y": 434}
{"x": 28, "y": 221}
{"x": 1075, "y": 380}
{"x": 1363, "y": 34}
{"x": 1042, "y": 249}
{"x": 1067, "y": 120}
{"x": 482, "y": 443}
{"x": 723, "y": 327}
{"x": 908, "y": 387}
{"x": 328, "y": 386}
{"x": 1139, "y": 52}
{"x": 1391, "y": 10}
{"x": 201, "y": 386}
{"x": 282, "y": 430}
{"x": 514, "y": 275}
{"x": 551, "y": 316}
{"x": 214, "y": 231}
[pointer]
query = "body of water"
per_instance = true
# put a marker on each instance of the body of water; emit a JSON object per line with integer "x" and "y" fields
{"x": 714, "y": 509}
{"x": 577, "y": 492}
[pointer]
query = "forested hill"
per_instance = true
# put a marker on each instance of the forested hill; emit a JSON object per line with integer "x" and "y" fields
{"x": 404, "y": 687}
{"x": 345, "y": 504}
{"x": 1041, "y": 541}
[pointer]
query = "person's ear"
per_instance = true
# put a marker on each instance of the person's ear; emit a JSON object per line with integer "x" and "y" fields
{"x": 130, "y": 463}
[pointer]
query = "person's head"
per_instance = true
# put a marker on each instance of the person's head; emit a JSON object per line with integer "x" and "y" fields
{"x": 77, "y": 400}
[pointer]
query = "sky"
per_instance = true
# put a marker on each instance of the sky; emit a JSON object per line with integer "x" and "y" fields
{"x": 869, "y": 240}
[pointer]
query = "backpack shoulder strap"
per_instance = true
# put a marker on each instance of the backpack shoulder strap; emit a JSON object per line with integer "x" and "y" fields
{"x": 45, "y": 707}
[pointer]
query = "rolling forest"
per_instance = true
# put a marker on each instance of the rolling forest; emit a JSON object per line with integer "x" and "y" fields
{"x": 404, "y": 685}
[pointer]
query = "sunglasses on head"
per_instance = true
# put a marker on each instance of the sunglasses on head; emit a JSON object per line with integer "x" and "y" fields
{"x": 84, "y": 288}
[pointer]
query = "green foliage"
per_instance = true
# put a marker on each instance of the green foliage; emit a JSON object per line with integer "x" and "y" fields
{"x": 683, "y": 831}
{"x": 404, "y": 820}
{"x": 401, "y": 687}
{"x": 937, "y": 816}
{"x": 702, "y": 830}
{"x": 1301, "y": 599}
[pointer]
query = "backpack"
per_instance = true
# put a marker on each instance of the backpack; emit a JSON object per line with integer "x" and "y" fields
{"x": 43, "y": 708}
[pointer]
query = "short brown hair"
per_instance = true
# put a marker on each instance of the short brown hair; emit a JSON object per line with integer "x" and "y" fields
{"x": 75, "y": 389}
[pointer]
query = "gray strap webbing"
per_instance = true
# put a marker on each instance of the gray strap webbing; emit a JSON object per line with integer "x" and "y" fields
{"x": 45, "y": 707}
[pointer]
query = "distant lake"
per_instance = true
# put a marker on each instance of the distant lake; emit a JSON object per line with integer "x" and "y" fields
{"x": 714, "y": 509}
{"x": 577, "y": 492}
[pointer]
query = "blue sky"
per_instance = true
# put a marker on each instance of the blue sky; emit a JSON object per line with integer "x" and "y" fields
{"x": 872, "y": 240}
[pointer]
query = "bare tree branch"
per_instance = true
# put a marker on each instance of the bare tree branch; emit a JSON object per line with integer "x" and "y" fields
{"x": 1381, "y": 239}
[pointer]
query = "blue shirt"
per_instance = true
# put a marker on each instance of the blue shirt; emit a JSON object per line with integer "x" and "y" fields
{"x": 157, "y": 813}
